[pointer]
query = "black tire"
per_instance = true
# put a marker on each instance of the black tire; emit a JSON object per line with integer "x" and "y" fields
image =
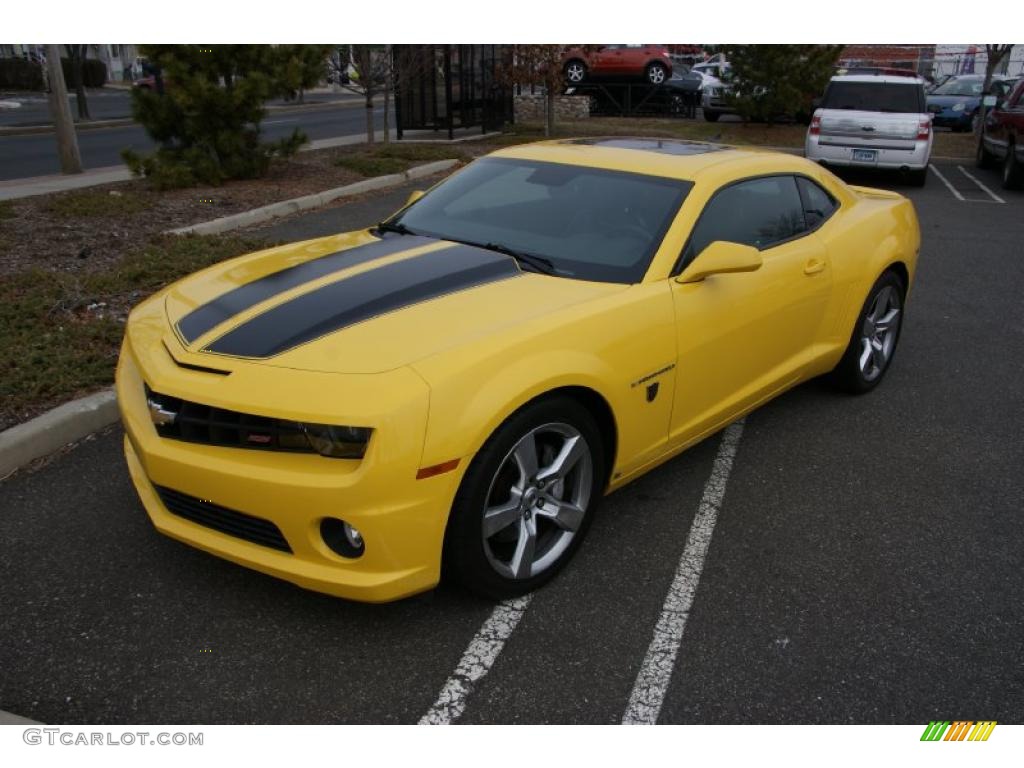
{"x": 466, "y": 560}
{"x": 571, "y": 68}
{"x": 656, "y": 73}
{"x": 711, "y": 116}
{"x": 918, "y": 177}
{"x": 982, "y": 157}
{"x": 1013, "y": 172}
{"x": 848, "y": 374}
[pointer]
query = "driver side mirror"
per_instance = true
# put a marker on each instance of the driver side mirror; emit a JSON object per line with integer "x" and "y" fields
{"x": 721, "y": 257}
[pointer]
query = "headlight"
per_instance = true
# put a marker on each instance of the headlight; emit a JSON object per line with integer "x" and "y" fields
{"x": 338, "y": 442}
{"x": 959, "y": 106}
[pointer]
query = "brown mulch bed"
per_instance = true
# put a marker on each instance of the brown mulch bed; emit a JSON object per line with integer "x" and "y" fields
{"x": 90, "y": 230}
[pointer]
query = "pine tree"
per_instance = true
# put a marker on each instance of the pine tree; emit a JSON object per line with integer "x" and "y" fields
{"x": 770, "y": 81}
{"x": 206, "y": 111}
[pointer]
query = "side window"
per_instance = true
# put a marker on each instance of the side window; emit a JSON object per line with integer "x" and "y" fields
{"x": 818, "y": 204}
{"x": 759, "y": 212}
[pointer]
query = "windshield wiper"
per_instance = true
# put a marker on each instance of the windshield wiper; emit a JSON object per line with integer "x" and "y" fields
{"x": 393, "y": 226}
{"x": 539, "y": 263}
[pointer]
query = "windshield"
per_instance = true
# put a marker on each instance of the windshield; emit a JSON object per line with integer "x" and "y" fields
{"x": 960, "y": 87}
{"x": 591, "y": 224}
{"x": 874, "y": 97}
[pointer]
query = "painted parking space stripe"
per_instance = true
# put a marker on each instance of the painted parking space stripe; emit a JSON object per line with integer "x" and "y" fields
{"x": 656, "y": 671}
{"x": 985, "y": 189}
{"x": 945, "y": 181}
{"x": 476, "y": 662}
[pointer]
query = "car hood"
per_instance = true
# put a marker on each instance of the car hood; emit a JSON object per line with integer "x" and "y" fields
{"x": 356, "y": 303}
{"x": 948, "y": 101}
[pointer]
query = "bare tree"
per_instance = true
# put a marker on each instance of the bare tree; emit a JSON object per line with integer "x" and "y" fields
{"x": 995, "y": 55}
{"x": 537, "y": 65}
{"x": 76, "y": 56}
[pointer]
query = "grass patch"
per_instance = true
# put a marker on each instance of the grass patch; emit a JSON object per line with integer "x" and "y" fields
{"x": 7, "y": 210}
{"x": 53, "y": 347}
{"x": 394, "y": 158}
{"x": 98, "y": 204}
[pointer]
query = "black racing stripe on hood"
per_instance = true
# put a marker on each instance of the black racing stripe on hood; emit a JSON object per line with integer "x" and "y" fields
{"x": 360, "y": 297}
{"x": 206, "y": 317}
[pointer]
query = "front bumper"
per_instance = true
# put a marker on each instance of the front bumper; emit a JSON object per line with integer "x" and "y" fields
{"x": 913, "y": 158}
{"x": 962, "y": 120}
{"x": 402, "y": 519}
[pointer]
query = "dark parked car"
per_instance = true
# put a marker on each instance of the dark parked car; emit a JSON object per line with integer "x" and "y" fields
{"x": 652, "y": 62}
{"x": 955, "y": 103}
{"x": 1002, "y": 136}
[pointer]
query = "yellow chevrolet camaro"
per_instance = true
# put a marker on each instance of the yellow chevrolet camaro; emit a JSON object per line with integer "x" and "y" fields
{"x": 452, "y": 391}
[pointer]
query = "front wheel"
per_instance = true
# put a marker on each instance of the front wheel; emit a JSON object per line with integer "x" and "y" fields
{"x": 1013, "y": 172}
{"x": 982, "y": 157}
{"x": 526, "y": 501}
{"x": 873, "y": 343}
{"x": 710, "y": 116}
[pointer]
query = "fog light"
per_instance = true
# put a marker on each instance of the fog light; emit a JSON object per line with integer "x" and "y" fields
{"x": 342, "y": 537}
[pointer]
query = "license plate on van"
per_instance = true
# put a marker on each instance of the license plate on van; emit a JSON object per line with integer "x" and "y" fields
{"x": 865, "y": 155}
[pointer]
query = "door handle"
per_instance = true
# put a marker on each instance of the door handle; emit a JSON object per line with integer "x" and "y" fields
{"x": 814, "y": 266}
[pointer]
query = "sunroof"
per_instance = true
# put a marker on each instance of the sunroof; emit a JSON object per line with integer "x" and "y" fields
{"x": 665, "y": 146}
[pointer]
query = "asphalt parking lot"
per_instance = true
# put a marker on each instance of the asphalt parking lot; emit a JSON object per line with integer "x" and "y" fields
{"x": 864, "y": 565}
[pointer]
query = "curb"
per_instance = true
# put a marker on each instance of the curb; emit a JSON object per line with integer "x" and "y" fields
{"x": 286, "y": 207}
{"x": 29, "y": 130}
{"x": 65, "y": 424}
{"x": 121, "y": 122}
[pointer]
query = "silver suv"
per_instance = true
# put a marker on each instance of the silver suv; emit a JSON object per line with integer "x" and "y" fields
{"x": 873, "y": 121}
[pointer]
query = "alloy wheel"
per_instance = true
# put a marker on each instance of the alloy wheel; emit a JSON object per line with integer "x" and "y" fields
{"x": 537, "y": 500}
{"x": 879, "y": 332}
{"x": 656, "y": 74}
{"x": 575, "y": 72}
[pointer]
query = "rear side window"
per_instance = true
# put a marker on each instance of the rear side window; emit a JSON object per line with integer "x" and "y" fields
{"x": 875, "y": 97}
{"x": 818, "y": 204}
{"x": 759, "y": 212}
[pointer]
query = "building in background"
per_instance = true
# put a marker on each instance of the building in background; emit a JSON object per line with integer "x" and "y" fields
{"x": 932, "y": 61}
{"x": 122, "y": 61}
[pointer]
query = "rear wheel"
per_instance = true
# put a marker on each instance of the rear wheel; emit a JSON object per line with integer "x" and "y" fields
{"x": 918, "y": 177}
{"x": 875, "y": 335}
{"x": 656, "y": 73}
{"x": 575, "y": 71}
{"x": 1013, "y": 173}
{"x": 526, "y": 501}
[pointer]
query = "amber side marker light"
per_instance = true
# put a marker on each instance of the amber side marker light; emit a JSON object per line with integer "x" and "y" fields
{"x": 437, "y": 469}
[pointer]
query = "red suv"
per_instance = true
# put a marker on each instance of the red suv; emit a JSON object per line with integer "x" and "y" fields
{"x": 651, "y": 62}
{"x": 1002, "y": 136}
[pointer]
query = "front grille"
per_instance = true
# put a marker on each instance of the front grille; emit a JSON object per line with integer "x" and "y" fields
{"x": 254, "y": 529}
{"x": 198, "y": 423}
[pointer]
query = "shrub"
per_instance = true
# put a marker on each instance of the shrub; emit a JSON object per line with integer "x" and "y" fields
{"x": 207, "y": 120}
{"x": 21, "y": 75}
{"x": 94, "y": 73}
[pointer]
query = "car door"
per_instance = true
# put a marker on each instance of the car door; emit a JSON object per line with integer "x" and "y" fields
{"x": 743, "y": 337}
{"x": 608, "y": 60}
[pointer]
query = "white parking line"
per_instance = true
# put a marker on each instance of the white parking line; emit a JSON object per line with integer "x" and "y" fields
{"x": 278, "y": 122}
{"x": 945, "y": 181}
{"x": 990, "y": 193}
{"x": 656, "y": 671}
{"x": 476, "y": 662}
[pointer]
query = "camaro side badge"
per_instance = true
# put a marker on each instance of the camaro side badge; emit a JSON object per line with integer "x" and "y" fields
{"x": 652, "y": 389}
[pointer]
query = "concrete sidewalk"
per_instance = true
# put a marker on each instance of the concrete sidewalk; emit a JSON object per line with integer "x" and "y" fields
{"x": 14, "y": 189}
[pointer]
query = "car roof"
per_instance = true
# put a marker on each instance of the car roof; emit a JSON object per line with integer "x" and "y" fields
{"x": 668, "y": 158}
{"x": 870, "y": 78}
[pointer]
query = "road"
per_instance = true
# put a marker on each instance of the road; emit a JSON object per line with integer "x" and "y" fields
{"x": 864, "y": 566}
{"x": 36, "y": 154}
